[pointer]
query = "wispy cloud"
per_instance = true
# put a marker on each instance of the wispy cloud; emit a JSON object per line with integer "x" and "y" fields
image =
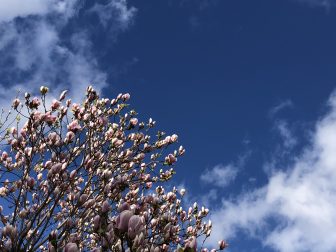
{"x": 295, "y": 210}
{"x": 281, "y": 106}
{"x": 220, "y": 175}
{"x": 39, "y": 45}
{"x": 289, "y": 140}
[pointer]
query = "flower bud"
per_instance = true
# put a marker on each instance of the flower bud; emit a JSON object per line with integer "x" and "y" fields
{"x": 16, "y": 103}
{"x": 62, "y": 96}
{"x": 55, "y": 104}
{"x": 222, "y": 245}
{"x": 105, "y": 206}
{"x": 44, "y": 90}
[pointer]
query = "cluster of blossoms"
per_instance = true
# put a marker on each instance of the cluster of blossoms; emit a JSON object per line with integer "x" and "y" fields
{"x": 88, "y": 177}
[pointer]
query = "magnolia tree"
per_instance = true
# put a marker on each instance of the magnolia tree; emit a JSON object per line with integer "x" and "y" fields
{"x": 88, "y": 177}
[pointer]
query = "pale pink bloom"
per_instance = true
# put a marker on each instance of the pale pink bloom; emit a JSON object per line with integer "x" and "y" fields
{"x": 123, "y": 219}
{"x": 134, "y": 121}
{"x": 35, "y": 102}
{"x": 16, "y": 103}
{"x": 49, "y": 118}
{"x": 71, "y": 247}
{"x": 149, "y": 185}
{"x": 86, "y": 116}
{"x": 167, "y": 139}
{"x": 23, "y": 132}
{"x": 190, "y": 229}
{"x": 174, "y": 138}
{"x": 136, "y": 225}
{"x": 73, "y": 174}
{"x": 124, "y": 206}
{"x": 48, "y": 164}
{"x": 171, "y": 159}
{"x": 3, "y": 191}
{"x": 153, "y": 222}
{"x": 56, "y": 168}
{"x": 75, "y": 107}
{"x": 102, "y": 120}
{"x": 55, "y": 104}
{"x": 126, "y": 96}
{"x": 74, "y": 126}
{"x": 105, "y": 206}
{"x": 51, "y": 248}
{"x": 53, "y": 137}
{"x": 191, "y": 243}
{"x": 69, "y": 136}
{"x": 37, "y": 115}
{"x": 30, "y": 182}
{"x": 82, "y": 198}
{"x": 4, "y": 155}
{"x": 96, "y": 222}
{"x": 13, "y": 131}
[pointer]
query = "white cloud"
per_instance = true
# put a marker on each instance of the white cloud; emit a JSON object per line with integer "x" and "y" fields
{"x": 281, "y": 106}
{"x": 116, "y": 10}
{"x": 289, "y": 140}
{"x": 295, "y": 211}
{"x": 220, "y": 175}
{"x": 10, "y": 9}
{"x": 35, "y": 51}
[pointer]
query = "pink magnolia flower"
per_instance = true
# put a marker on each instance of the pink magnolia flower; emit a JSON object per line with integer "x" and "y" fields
{"x": 171, "y": 159}
{"x": 49, "y": 118}
{"x": 75, "y": 107}
{"x": 37, "y": 115}
{"x": 174, "y": 138}
{"x": 191, "y": 243}
{"x": 134, "y": 121}
{"x": 123, "y": 219}
{"x": 69, "y": 136}
{"x": 35, "y": 103}
{"x": 96, "y": 222}
{"x": 23, "y": 132}
{"x": 16, "y": 103}
{"x": 4, "y": 155}
{"x": 51, "y": 248}
{"x": 71, "y": 247}
{"x": 126, "y": 96}
{"x": 55, "y": 104}
{"x": 105, "y": 206}
{"x": 124, "y": 206}
{"x": 136, "y": 225}
{"x": 74, "y": 126}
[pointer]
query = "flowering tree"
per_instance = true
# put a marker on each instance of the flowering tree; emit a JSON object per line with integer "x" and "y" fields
{"x": 87, "y": 177}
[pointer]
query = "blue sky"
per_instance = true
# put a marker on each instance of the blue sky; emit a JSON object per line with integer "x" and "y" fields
{"x": 247, "y": 85}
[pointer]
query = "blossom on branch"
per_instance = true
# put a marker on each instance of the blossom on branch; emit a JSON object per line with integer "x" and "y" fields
{"x": 89, "y": 178}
